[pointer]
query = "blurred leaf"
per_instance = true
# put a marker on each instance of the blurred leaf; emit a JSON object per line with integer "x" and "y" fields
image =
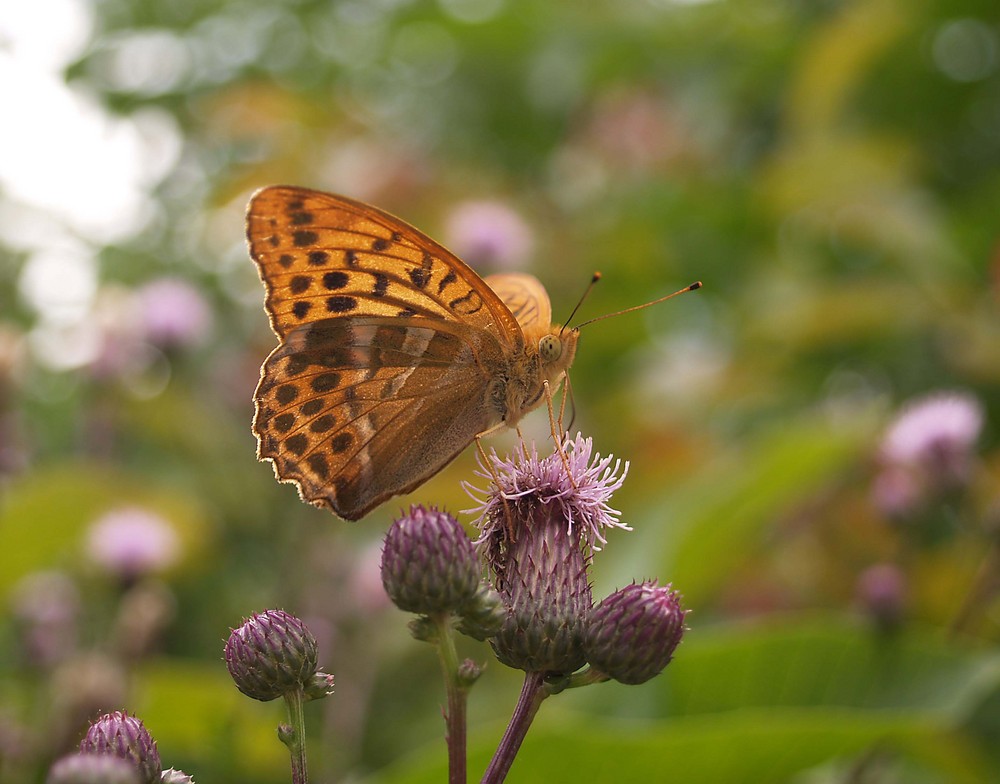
{"x": 726, "y": 514}
{"x": 745, "y": 746}
{"x": 204, "y": 725}
{"x": 824, "y": 662}
{"x": 44, "y": 516}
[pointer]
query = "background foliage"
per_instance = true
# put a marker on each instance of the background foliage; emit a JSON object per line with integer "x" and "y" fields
{"x": 828, "y": 169}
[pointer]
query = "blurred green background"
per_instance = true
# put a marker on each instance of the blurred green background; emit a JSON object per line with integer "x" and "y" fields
{"x": 828, "y": 169}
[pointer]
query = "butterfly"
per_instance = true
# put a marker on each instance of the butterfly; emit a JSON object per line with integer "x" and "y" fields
{"x": 393, "y": 355}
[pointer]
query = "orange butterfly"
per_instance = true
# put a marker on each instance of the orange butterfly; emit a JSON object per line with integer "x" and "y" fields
{"x": 393, "y": 356}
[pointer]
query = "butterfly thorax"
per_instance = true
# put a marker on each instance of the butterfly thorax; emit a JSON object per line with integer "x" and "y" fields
{"x": 547, "y": 356}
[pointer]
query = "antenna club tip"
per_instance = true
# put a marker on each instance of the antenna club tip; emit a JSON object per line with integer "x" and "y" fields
{"x": 695, "y": 285}
{"x": 596, "y": 277}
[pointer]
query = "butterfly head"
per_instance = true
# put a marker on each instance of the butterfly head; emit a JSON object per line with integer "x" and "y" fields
{"x": 556, "y": 350}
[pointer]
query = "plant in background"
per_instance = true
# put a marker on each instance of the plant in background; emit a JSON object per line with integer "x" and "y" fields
{"x": 927, "y": 470}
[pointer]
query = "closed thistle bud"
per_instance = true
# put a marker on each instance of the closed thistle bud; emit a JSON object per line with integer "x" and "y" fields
{"x": 557, "y": 508}
{"x": 271, "y": 654}
{"x": 120, "y": 735}
{"x": 429, "y": 563}
{"x": 483, "y": 614}
{"x": 633, "y": 633}
{"x": 93, "y": 769}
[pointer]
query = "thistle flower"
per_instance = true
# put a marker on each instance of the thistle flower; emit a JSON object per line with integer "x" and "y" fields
{"x": 271, "y": 654}
{"x": 120, "y": 735}
{"x": 489, "y": 234}
{"x": 881, "y": 590}
{"x": 429, "y": 563}
{"x": 46, "y": 606}
{"x": 539, "y": 558}
{"x": 90, "y": 768}
{"x": 173, "y": 313}
{"x": 927, "y": 451}
{"x": 131, "y": 542}
{"x": 633, "y": 633}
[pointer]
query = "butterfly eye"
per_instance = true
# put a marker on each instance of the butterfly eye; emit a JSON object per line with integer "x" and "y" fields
{"x": 549, "y": 348}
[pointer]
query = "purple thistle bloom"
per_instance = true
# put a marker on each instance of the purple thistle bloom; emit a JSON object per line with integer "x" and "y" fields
{"x": 124, "y": 736}
{"x": 540, "y": 556}
{"x": 581, "y": 501}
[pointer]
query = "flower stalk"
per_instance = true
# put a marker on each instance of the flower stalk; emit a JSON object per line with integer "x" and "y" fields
{"x": 533, "y": 692}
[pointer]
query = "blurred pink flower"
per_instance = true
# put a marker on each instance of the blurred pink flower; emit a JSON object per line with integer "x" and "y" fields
{"x": 932, "y": 428}
{"x": 131, "y": 541}
{"x": 489, "y": 234}
{"x": 47, "y": 607}
{"x": 881, "y": 590}
{"x": 926, "y": 451}
{"x": 173, "y": 313}
{"x": 896, "y": 491}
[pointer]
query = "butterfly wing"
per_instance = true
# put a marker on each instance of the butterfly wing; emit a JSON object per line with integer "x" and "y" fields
{"x": 356, "y": 410}
{"x": 526, "y": 298}
{"x": 323, "y": 256}
{"x": 389, "y": 349}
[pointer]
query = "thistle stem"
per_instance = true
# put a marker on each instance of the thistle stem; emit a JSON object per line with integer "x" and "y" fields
{"x": 984, "y": 587}
{"x": 294, "y": 735}
{"x": 457, "y": 693}
{"x": 532, "y": 693}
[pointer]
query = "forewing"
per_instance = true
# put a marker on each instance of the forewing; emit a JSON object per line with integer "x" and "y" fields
{"x": 354, "y": 410}
{"x": 322, "y": 256}
{"x": 525, "y": 296}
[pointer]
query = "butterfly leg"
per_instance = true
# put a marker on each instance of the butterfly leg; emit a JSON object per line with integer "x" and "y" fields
{"x": 496, "y": 481}
{"x": 567, "y": 392}
{"x": 557, "y": 438}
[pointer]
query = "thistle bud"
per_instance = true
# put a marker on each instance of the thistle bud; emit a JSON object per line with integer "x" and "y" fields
{"x": 483, "y": 614}
{"x": 633, "y": 633}
{"x": 547, "y": 592}
{"x": 272, "y": 653}
{"x": 93, "y": 769}
{"x": 429, "y": 563}
{"x": 120, "y": 735}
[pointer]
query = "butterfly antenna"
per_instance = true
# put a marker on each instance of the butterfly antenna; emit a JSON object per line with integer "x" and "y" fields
{"x": 685, "y": 290}
{"x": 596, "y": 277}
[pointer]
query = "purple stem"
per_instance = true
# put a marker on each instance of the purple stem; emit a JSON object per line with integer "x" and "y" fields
{"x": 532, "y": 694}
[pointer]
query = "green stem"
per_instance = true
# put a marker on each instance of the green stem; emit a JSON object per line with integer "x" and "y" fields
{"x": 457, "y": 693}
{"x": 295, "y": 737}
{"x": 984, "y": 587}
{"x": 532, "y": 693}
